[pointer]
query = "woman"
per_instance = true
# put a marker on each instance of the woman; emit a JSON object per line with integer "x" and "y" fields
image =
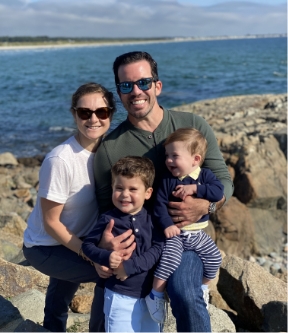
{"x": 66, "y": 208}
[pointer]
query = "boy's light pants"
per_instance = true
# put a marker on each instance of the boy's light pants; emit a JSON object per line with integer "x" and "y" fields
{"x": 127, "y": 314}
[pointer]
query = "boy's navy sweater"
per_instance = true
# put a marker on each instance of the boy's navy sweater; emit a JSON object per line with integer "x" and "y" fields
{"x": 209, "y": 188}
{"x": 149, "y": 245}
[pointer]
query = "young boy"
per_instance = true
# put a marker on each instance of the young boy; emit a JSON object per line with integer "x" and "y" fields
{"x": 125, "y": 308}
{"x": 185, "y": 152}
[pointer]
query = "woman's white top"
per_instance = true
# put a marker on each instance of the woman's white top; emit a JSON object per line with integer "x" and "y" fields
{"x": 66, "y": 177}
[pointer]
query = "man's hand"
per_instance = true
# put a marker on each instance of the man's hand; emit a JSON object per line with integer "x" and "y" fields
{"x": 115, "y": 259}
{"x": 124, "y": 244}
{"x": 103, "y": 272}
{"x": 171, "y": 231}
{"x": 120, "y": 273}
{"x": 188, "y": 211}
{"x": 182, "y": 191}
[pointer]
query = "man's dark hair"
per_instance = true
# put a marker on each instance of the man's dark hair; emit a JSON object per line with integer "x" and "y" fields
{"x": 131, "y": 57}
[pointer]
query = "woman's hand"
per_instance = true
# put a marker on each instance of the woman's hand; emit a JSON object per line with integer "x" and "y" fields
{"x": 124, "y": 244}
{"x": 103, "y": 272}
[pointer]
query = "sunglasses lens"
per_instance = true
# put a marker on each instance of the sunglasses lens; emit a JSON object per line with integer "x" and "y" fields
{"x": 83, "y": 113}
{"x": 126, "y": 87}
{"x": 103, "y": 113}
{"x": 144, "y": 84}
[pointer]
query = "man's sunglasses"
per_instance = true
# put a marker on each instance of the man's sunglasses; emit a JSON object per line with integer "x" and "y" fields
{"x": 101, "y": 113}
{"x": 143, "y": 84}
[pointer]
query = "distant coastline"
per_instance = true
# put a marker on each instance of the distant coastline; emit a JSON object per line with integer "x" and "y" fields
{"x": 72, "y": 43}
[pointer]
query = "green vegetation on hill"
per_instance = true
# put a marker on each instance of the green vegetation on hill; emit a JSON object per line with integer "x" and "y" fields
{"x": 28, "y": 40}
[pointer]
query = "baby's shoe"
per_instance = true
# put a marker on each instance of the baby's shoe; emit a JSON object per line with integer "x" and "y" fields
{"x": 157, "y": 307}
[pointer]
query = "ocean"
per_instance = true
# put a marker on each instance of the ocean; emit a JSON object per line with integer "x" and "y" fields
{"x": 36, "y": 84}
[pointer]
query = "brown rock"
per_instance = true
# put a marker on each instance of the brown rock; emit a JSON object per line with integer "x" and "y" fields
{"x": 234, "y": 229}
{"x": 81, "y": 303}
{"x": 259, "y": 298}
{"x": 16, "y": 279}
{"x": 12, "y": 223}
{"x": 268, "y": 230}
{"x": 259, "y": 181}
{"x": 8, "y": 159}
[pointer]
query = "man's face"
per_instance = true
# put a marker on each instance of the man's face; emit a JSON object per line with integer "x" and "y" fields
{"x": 138, "y": 103}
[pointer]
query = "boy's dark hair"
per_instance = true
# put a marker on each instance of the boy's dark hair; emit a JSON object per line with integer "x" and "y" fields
{"x": 135, "y": 166}
{"x": 195, "y": 141}
{"x": 131, "y": 57}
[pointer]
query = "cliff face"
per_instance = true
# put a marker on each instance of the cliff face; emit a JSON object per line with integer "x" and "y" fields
{"x": 252, "y": 135}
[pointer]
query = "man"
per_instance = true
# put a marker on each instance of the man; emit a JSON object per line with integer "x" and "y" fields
{"x": 142, "y": 134}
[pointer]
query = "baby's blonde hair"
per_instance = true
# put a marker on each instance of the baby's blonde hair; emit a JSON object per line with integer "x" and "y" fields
{"x": 193, "y": 139}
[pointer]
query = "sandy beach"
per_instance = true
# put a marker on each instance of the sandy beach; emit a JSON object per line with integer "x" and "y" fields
{"x": 112, "y": 43}
{"x": 73, "y": 45}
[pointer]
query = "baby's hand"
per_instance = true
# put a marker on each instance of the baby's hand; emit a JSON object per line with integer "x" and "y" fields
{"x": 120, "y": 273}
{"x": 182, "y": 191}
{"x": 171, "y": 231}
{"x": 115, "y": 259}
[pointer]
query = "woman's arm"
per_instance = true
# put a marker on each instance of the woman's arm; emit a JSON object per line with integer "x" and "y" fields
{"x": 55, "y": 228}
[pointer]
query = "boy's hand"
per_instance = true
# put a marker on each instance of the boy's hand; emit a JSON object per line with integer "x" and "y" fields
{"x": 171, "y": 231}
{"x": 182, "y": 191}
{"x": 120, "y": 273}
{"x": 103, "y": 272}
{"x": 115, "y": 259}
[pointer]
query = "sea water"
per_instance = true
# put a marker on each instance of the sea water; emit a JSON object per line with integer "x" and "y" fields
{"x": 36, "y": 84}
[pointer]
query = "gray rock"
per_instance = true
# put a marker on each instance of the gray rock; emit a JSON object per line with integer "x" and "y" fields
{"x": 30, "y": 305}
{"x": 29, "y": 326}
{"x": 220, "y": 321}
{"x": 10, "y": 315}
{"x": 248, "y": 288}
{"x": 16, "y": 279}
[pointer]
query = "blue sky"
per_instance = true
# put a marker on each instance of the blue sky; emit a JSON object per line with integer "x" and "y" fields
{"x": 138, "y": 18}
{"x": 214, "y": 2}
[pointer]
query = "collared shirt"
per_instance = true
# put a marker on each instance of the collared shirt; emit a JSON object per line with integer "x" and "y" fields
{"x": 194, "y": 174}
{"x": 149, "y": 243}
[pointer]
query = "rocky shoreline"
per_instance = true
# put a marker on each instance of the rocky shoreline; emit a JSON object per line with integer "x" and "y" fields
{"x": 250, "y": 293}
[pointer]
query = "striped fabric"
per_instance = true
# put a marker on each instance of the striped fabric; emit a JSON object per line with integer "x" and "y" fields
{"x": 199, "y": 242}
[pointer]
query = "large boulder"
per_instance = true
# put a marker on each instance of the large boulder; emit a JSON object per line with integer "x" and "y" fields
{"x": 16, "y": 279}
{"x": 234, "y": 228}
{"x": 259, "y": 299}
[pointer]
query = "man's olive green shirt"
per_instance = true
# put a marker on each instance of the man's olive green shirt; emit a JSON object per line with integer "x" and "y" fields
{"x": 128, "y": 140}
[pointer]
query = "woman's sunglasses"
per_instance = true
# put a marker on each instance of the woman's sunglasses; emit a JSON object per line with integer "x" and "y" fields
{"x": 101, "y": 113}
{"x": 143, "y": 84}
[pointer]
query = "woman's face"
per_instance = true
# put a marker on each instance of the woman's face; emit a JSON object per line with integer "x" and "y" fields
{"x": 92, "y": 129}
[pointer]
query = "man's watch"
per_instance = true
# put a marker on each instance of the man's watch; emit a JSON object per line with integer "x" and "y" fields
{"x": 212, "y": 207}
